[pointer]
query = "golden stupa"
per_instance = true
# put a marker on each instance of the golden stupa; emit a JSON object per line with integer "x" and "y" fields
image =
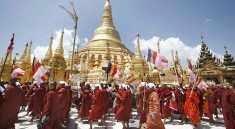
{"x": 105, "y": 45}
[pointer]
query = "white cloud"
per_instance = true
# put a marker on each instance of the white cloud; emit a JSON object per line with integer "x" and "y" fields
{"x": 207, "y": 20}
{"x": 40, "y": 51}
{"x": 172, "y": 43}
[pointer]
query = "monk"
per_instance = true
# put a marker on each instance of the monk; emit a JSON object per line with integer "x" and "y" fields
{"x": 70, "y": 94}
{"x": 191, "y": 106}
{"x": 30, "y": 97}
{"x": 117, "y": 101}
{"x": 25, "y": 88}
{"x": 38, "y": 101}
{"x": 165, "y": 95}
{"x": 99, "y": 106}
{"x": 154, "y": 115}
{"x": 142, "y": 104}
{"x": 85, "y": 102}
{"x": 123, "y": 114}
{"x": 218, "y": 96}
{"x": 10, "y": 106}
{"x": 63, "y": 101}
{"x": 228, "y": 106}
{"x": 180, "y": 100}
{"x": 208, "y": 104}
{"x": 51, "y": 109}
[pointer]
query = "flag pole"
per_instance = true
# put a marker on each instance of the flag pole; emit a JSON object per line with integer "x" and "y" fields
{"x": 10, "y": 47}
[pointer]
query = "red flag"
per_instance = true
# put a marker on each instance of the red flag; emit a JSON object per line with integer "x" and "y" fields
{"x": 10, "y": 47}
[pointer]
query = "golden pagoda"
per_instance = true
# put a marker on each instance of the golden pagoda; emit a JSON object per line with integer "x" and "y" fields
{"x": 48, "y": 55}
{"x": 57, "y": 64}
{"x": 25, "y": 63}
{"x": 138, "y": 62}
{"x": 105, "y": 45}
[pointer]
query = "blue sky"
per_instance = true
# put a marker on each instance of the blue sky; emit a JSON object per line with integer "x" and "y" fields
{"x": 183, "y": 19}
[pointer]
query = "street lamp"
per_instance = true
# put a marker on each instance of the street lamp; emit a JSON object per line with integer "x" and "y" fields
{"x": 74, "y": 16}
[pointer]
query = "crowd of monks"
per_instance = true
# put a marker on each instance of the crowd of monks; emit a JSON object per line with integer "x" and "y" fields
{"x": 50, "y": 103}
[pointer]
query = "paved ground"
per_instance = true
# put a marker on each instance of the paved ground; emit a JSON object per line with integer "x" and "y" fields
{"x": 24, "y": 123}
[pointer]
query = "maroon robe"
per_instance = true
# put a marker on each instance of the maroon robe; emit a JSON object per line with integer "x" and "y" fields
{"x": 180, "y": 100}
{"x": 85, "y": 103}
{"x": 123, "y": 113}
{"x": 51, "y": 109}
{"x": 25, "y": 88}
{"x": 228, "y": 107}
{"x": 165, "y": 95}
{"x": 38, "y": 100}
{"x": 100, "y": 104}
{"x": 106, "y": 97}
{"x": 63, "y": 103}
{"x": 208, "y": 103}
{"x": 10, "y": 107}
{"x": 30, "y": 98}
{"x": 70, "y": 95}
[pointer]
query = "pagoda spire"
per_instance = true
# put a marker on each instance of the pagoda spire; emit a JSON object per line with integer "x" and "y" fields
{"x": 22, "y": 58}
{"x": 49, "y": 50}
{"x": 28, "y": 54}
{"x": 107, "y": 19}
{"x": 158, "y": 46}
{"x": 138, "y": 53}
{"x": 176, "y": 55}
{"x": 59, "y": 52}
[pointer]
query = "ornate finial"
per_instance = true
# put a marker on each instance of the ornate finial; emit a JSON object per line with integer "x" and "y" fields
{"x": 23, "y": 57}
{"x": 202, "y": 38}
{"x": 28, "y": 55}
{"x": 48, "y": 55}
{"x": 59, "y": 52}
{"x": 158, "y": 46}
{"x": 138, "y": 53}
{"x": 107, "y": 15}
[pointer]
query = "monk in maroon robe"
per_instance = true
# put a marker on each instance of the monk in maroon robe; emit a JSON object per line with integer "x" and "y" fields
{"x": 11, "y": 105}
{"x": 85, "y": 102}
{"x": 99, "y": 107}
{"x": 165, "y": 96}
{"x": 25, "y": 88}
{"x": 51, "y": 109}
{"x": 180, "y": 100}
{"x": 228, "y": 106}
{"x": 63, "y": 101}
{"x": 117, "y": 101}
{"x": 208, "y": 104}
{"x": 38, "y": 101}
{"x": 123, "y": 114}
{"x": 30, "y": 98}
